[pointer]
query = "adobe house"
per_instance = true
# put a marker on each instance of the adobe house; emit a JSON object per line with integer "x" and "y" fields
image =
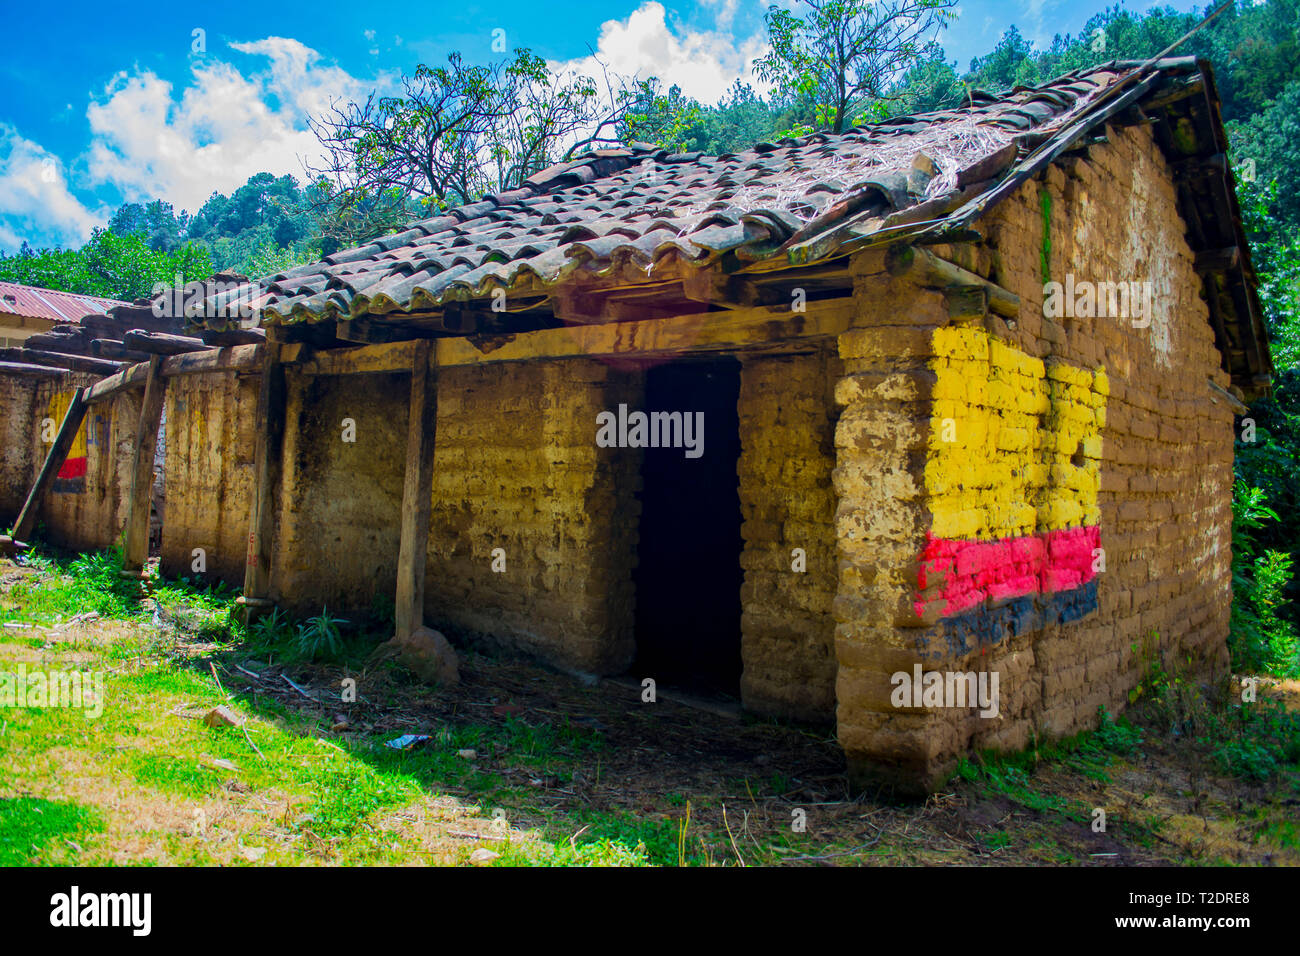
{"x": 948, "y": 394}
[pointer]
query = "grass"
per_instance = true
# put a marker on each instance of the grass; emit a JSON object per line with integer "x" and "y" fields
{"x": 28, "y": 826}
{"x": 149, "y": 782}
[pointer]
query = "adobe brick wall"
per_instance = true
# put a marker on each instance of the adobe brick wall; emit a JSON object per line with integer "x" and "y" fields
{"x": 89, "y": 514}
{"x": 18, "y": 400}
{"x": 208, "y": 478}
{"x": 1096, "y": 433}
{"x": 340, "y": 502}
{"x": 787, "y": 428}
{"x": 93, "y": 518}
{"x": 516, "y": 467}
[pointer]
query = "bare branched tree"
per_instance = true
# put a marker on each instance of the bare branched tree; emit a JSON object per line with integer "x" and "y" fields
{"x": 457, "y": 132}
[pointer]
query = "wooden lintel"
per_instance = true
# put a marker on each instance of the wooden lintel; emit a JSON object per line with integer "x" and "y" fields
{"x": 135, "y": 550}
{"x": 390, "y": 357}
{"x": 735, "y": 330}
{"x": 72, "y": 419}
{"x": 417, "y": 492}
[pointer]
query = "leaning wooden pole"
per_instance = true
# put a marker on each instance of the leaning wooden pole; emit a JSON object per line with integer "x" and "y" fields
{"x": 135, "y": 549}
{"x": 266, "y": 462}
{"x": 422, "y": 424}
{"x": 53, "y": 462}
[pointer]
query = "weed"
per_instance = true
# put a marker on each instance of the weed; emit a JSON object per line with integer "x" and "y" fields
{"x": 319, "y": 636}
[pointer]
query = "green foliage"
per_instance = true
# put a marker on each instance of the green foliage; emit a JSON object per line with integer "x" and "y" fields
{"x": 1255, "y": 741}
{"x": 1117, "y": 736}
{"x": 110, "y": 265}
{"x": 841, "y": 55}
{"x": 1261, "y": 639}
{"x": 320, "y": 636}
{"x": 29, "y": 824}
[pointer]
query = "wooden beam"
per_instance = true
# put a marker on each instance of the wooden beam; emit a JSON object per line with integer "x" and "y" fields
{"x": 72, "y": 363}
{"x": 31, "y": 371}
{"x": 115, "y": 350}
{"x": 135, "y": 551}
{"x": 928, "y": 269}
{"x": 72, "y": 419}
{"x": 232, "y": 337}
{"x": 63, "y": 343}
{"x": 106, "y": 388}
{"x": 417, "y": 491}
{"x": 269, "y": 417}
{"x": 391, "y": 357}
{"x": 161, "y": 343}
{"x": 233, "y": 359}
{"x": 771, "y": 328}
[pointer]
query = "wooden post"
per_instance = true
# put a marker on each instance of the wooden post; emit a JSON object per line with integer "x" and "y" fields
{"x": 266, "y": 462}
{"x": 422, "y": 423}
{"x": 135, "y": 551}
{"x": 53, "y": 462}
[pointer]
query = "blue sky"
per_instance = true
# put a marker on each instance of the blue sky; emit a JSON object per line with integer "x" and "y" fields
{"x": 105, "y": 103}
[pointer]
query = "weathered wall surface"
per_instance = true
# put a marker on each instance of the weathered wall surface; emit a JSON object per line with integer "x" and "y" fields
{"x": 517, "y": 468}
{"x": 1068, "y": 479}
{"x": 86, "y": 508}
{"x": 787, "y": 427}
{"x": 208, "y": 474}
{"x": 18, "y": 423}
{"x": 340, "y": 499}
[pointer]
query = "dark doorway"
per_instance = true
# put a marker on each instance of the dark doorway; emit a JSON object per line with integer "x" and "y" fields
{"x": 688, "y": 574}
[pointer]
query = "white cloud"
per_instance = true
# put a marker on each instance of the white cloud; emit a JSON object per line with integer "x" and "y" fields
{"x": 151, "y": 140}
{"x": 704, "y": 63}
{"x": 33, "y": 189}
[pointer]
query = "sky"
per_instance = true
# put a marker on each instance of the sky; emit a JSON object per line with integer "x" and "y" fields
{"x": 105, "y": 103}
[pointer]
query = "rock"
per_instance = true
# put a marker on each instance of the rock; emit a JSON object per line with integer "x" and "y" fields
{"x": 483, "y": 857}
{"x": 221, "y": 716}
{"x": 466, "y": 754}
{"x": 427, "y": 654}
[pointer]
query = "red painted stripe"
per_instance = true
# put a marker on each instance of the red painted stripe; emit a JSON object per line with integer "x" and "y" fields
{"x": 970, "y": 573}
{"x": 73, "y": 468}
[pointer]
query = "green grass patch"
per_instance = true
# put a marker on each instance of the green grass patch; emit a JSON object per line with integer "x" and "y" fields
{"x": 28, "y": 825}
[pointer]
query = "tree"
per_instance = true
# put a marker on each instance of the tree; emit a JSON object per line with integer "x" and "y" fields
{"x": 843, "y": 54}
{"x": 109, "y": 265}
{"x": 458, "y": 132}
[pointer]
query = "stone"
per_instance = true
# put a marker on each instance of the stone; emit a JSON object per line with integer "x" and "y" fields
{"x": 426, "y": 653}
{"x": 483, "y": 857}
{"x": 222, "y": 716}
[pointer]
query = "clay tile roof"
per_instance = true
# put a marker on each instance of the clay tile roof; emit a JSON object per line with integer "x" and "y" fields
{"x": 61, "y": 307}
{"x": 775, "y": 206}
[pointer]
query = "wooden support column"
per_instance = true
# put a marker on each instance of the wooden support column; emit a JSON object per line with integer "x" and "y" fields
{"x": 135, "y": 550}
{"x": 266, "y": 462}
{"x": 72, "y": 419}
{"x": 422, "y": 423}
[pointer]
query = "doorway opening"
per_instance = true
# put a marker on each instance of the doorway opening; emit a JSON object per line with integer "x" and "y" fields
{"x": 688, "y": 574}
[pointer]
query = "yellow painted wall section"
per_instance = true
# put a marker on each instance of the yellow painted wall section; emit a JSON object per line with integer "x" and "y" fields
{"x": 1015, "y": 442}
